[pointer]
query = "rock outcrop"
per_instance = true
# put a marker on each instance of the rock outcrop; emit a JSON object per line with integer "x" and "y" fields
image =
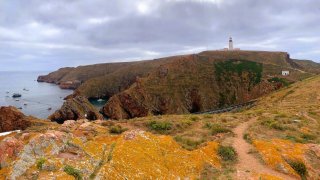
{"x": 12, "y": 119}
{"x": 76, "y": 108}
{"x": 136, "y": 154}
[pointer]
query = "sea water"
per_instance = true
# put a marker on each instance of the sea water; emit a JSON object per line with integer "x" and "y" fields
{"x": 38, "y": 99}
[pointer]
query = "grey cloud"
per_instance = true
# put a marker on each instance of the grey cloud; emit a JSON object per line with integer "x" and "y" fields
{"x": 50, "y": 34}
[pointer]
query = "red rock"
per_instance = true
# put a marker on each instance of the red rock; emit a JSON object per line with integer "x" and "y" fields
{"x": 12, "y": 119}
{"x": 9, "y": 149}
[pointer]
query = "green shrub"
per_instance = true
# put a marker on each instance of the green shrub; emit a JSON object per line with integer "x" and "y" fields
{"x": 187, "y": 143}
{"x": 40, "y": 163}
{"x": 217, "y": 128}
{"x": 194, "y": 118}
{"x": 247, "y": 137}
{"x": 208, "y": 116}
{"x": 273, "y": 124}
{"x": 280, "y": 80}
{"x": 299, "y": 167}
{"x": 113, "y": 145}
{"x": 73, "y": 172}
{"x": 308, "y": 137}
{"x": 227, "y": 153}
{"x": 117, "y": 129}
{"x": 160, "y": 126}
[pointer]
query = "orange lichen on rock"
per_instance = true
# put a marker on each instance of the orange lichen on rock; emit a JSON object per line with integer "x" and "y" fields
{"x": 266, "y": 177}
{"x": 142, "y": 155}
{"x": 276, "y": 153}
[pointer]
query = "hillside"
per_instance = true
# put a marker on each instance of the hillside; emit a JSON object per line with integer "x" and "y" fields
{"x": 308, "y": 65}
{"x": 181, "y": 84}
{"x": 282, "y": 140}
{"x": 81, "y": 73}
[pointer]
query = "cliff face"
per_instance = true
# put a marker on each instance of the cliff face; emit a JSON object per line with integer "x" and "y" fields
{"x": 190, "y": 85}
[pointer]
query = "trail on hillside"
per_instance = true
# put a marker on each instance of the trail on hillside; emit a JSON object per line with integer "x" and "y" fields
{"x": 247, "y": 164}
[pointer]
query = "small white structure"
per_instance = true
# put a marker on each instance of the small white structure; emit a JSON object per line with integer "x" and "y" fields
{"x": 230, "y": 44}
{"x": 231, "y": 48}
{"x": 285, "y": 73}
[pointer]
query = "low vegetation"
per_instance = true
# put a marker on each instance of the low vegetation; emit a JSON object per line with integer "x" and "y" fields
{"x": 40, "y": 162}
{"x": 117, "y": 129}
{"x": 188, "y": 143}
{"x": 280, "y": 80}
{"x": 227, "y": 153}
{"x": 299, "y": 167}
{"x": 160, "y": 126}
{"x": 73, "y": 172}
{"x": 216, "y": 128}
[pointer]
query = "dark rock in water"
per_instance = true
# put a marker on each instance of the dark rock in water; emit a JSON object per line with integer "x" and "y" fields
{"x": 49, "y": 109}
{"x": 19, "y": 107}
{"x": 74, "y": 109}
{"x": 12, "y": 119}
{"x": 16, "y": 95}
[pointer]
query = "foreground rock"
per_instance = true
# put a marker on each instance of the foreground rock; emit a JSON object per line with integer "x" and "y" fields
{"x": 87, "y": 151}
{"x": 76, "y": 108}
{"x": 12, "y": 119}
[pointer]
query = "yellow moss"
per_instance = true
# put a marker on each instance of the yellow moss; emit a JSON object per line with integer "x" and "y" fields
{"x": 267, "y": 177}
{"x": 95, "y": 147}
{"x": 4, "y": 172}
{"x": 150, "y": 157}
{"x": 277, "y": 151}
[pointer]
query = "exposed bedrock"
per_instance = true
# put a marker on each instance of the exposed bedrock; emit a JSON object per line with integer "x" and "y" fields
{"x": 76, "y": 108}
{"x": 12, "y": 119}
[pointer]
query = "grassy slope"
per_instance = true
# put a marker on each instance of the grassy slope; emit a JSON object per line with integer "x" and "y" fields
{"x": 291, "y": 113}
{"x": 120, "y": 79}
{"x": 309, "y": 66}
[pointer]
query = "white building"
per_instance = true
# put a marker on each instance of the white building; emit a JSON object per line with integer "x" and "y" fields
{"x": 230, "y": 44}
{"x": 285, "y": 73}
{"x": 231, "y": 48}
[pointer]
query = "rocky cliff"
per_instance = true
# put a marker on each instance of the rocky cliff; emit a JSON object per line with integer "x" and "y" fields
{"x": 182, "y": 84}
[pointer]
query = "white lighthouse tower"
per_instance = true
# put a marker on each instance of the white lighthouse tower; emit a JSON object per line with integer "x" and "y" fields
{"x": 230, "y": 44}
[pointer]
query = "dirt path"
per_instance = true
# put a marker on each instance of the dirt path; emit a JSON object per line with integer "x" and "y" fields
{"x": 247, "y": 163}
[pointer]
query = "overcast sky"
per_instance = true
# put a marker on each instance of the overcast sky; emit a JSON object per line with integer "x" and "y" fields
{"x": 49, "y": 34}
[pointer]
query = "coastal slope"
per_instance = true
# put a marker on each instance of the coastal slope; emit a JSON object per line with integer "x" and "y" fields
{"x": 186, "y": 84}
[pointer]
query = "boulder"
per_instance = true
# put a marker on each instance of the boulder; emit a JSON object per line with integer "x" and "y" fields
{"x": 12, "y": 119}
{"x": 76, "y": 108}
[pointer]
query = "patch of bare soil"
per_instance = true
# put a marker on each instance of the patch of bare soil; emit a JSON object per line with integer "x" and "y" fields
{"x": 248, "y": 165}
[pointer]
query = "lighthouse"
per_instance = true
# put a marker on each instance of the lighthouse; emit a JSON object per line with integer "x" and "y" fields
{"x": 230, "y": 44}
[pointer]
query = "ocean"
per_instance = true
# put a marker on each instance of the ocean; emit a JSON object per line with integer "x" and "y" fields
{"x": 38, "y": 99}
